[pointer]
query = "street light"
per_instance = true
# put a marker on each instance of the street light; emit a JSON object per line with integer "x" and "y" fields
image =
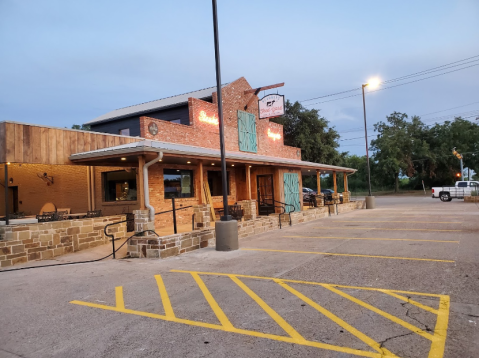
{"x": 227, "y": 229}
{"x": 370, "y": 199}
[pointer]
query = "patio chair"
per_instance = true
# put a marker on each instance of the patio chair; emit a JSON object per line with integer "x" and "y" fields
{"x": 61, "y": 215}
{"x": 93, "y": 214}
{"x": 46, "y": 217}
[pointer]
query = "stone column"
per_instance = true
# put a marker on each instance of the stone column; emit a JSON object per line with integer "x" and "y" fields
{"x": 249, "y": 209}
{"x": 142, "y": 221}
{"x": 202, "y": 216}
{"x": 346, "y": 197}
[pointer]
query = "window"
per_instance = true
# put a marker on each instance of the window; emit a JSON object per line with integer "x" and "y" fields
{"x": 119, "y": 185}
{"x": 215, "y": 183}
{"x": 462, "y": 184}
{"x": 247, "y": 132}
{"x": 125, "y": 131}
{"x": 176, "y": 121}
{"x": 178, "y": 183}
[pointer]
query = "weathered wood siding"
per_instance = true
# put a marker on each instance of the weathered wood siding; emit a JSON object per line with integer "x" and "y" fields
{"x": 22, "y": 143}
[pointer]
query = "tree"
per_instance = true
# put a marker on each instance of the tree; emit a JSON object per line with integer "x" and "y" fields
{"x": 83, "y": 127}
{"x": 306, "y": 129}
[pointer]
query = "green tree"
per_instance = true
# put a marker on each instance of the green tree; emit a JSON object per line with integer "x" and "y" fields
{"x": 83, "y": 127}
{"x": 306, "y": 129}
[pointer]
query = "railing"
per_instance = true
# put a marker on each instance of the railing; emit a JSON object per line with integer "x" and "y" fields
{"x": 283, "y": 207}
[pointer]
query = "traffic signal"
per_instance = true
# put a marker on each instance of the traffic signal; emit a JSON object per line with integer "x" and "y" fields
{"x": 454, "y": 151}
{"x": 458, "y": 175}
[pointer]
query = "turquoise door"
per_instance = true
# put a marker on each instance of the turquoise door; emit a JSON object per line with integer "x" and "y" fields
{"x": 291, "y": 192}
{"x": 247, "y": 132}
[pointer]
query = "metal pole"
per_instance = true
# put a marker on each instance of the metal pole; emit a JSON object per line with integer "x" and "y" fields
{"x": 366, "y": 137}
{"x": 226, "y": 217}
{"x": 113, "y": 246}
{"x": 174, "y": 214}
{"x": 7, "y": 214}
{"x": 462, "y": 171}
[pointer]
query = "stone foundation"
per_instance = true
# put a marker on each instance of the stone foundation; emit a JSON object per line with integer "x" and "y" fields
{"x": 249, "y": 209}
{"x": 43, "y": 241}
{"x": 202, "y": 218}
{"x": 471, "y": 199}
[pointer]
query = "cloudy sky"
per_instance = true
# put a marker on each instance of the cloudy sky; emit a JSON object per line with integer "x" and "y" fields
{"x": 65, "y": 62}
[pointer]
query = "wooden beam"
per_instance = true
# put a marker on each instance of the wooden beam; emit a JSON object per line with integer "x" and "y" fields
{"x": 318, "y": 180}
{"x": 202, "y": 197}
{"x": 140, "y": 191}
{"x": 248, "y": 182}
{"x": 335, "y": 183}
{"x": 345, "y": 178}
{"x": 88, "y": 187}
{"x": 264, "y": 88}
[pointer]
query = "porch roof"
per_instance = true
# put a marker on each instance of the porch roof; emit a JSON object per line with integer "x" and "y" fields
{"x": 151, "y": 147}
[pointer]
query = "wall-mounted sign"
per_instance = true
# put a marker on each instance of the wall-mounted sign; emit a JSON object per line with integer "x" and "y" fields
{"x": 271, "y": 106}
{"x": 273, "y": 135}
{"x": 211, "y": 120}
{"x": 152, "y": 128}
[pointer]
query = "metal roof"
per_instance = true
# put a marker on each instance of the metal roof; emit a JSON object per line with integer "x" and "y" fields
{"x": 153, "y": 105}
{"x": 194, "y": 151}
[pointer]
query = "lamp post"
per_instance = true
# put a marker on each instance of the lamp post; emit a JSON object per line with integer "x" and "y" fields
{"x": 370, "y": 201}
{"x": 227, "y": 229}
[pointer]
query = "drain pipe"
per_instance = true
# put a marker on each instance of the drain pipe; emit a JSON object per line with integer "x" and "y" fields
{"x": 146, "y": 190}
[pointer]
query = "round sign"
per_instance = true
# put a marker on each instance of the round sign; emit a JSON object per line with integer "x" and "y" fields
{"x": 153, "y": 128}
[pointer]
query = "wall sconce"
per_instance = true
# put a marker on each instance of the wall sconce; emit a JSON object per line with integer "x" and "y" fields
{"x": 47, "y": 179}
{"x": 10, "y": 181}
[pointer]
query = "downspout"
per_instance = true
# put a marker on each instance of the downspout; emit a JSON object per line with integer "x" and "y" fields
{"x": 347, "y": 175}
{"x": 146, "y": 191}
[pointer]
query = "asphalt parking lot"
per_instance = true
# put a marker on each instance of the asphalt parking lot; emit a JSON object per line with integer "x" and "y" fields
{"x": 398, "y": 281}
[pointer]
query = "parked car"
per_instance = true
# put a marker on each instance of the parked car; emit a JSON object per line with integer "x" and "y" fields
{"x": 328, "y": 195}
{"x": 459, "y": 191}
{"x": 307, "y": 192}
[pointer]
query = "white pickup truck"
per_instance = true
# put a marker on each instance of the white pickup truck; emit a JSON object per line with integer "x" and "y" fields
{"x": 459, "y": 191}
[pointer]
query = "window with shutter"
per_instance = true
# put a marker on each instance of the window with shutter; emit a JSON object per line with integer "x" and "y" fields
{"x": 291, "y": 192}
{"x": 247, "y": 132}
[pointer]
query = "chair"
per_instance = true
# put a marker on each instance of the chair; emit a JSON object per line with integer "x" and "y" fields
{"x": 236, "y": 212}
{"x": 46, "y": 217}
{"x": 68, "y": 210}
{"x": 93, "y": 214}
{"x": 61, "y": 215}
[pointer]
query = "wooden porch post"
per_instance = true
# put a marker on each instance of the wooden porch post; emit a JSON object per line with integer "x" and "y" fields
{"x": 201, "y": 197}
{"x": 318, "y": 181}
{"x": 335, "y": 183}
{"x": 345, "y": 181}
{"x": 88, "y": 187}
{"x": 140, "y": 191}
{"x": 248, "y": 182}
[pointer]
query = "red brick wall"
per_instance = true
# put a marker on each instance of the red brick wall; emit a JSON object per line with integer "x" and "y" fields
{"x": 206, "y": 135}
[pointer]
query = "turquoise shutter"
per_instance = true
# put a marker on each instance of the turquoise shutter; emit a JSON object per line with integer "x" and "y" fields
{"x": 247, "y": 132}
{"x": 291, "y": 192}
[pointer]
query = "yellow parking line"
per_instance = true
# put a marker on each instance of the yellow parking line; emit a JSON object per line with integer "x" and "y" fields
{"x": 354, "y": 255}
{"x": 412, "y": 302}
{"x": 225, "y": 322}
{"x": 369, "y": 341}
{"x": 120, "y": 302}
{"x": 375, "y": 228}
{"x": 399, "y": 321}
{"x": 276, "y": 317}
{"x": 389, "y": 221}
{"x": 366, "y": 238}
{"x": 164, "y": 297}
{"x": 437, "y": 347}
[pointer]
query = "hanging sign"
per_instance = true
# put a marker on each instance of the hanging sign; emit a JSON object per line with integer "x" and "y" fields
{"x": 271, "y": 105}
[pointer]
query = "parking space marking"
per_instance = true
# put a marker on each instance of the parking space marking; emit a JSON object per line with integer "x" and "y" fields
{"x": 437, "y": 338}
{"x": 365, "y": 238}
{"x": 377, "y": 228}
{"x": 388, "y": 221}
{"x": 353, "y": 255}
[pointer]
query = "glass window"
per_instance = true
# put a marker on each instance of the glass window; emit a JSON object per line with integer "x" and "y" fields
{"x": 119, "y": 185}
{"x": 125, "y": 131}
{"x": 462, "y": 184}
{"x": 178, "y": 183}
{"x": 216, "y": 183}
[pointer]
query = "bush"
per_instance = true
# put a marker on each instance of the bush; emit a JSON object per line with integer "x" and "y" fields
{"x": 474, "y": 193}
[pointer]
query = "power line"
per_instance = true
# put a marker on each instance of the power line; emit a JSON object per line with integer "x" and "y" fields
{"x": 444, "y": 110}
{"x": 385, "y": 88}
{"x": 416, "y": 74}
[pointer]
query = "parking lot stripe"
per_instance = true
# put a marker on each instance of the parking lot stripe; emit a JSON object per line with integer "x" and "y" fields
{"x": 365, "y": 238}
{"x": 352, "y": 255}
{"x": 120, "y": 303}
{"x": 376, "y": 228}
{"x": 276, "y": 317}
{"x": 437, "y": 347}
{"x": 369, "y": 341}
{"x": 399, "y": 321}
{"x": 164, "y": 297}
{"x": 388, "y": 221}
{"x": 225, "y": 322}
{"x": 411, "y": 301}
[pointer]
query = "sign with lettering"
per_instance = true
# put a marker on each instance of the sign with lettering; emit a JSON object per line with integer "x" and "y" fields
{"x": 271, "y": 105}
{"x": 273, "y": 135}
{"x": 208, "y": 119}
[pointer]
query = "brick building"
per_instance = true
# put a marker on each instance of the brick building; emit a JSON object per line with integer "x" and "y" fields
{"x": 103, "y": 169}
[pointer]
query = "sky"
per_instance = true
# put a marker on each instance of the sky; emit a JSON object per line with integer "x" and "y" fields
{"x": 67, "y": 62}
